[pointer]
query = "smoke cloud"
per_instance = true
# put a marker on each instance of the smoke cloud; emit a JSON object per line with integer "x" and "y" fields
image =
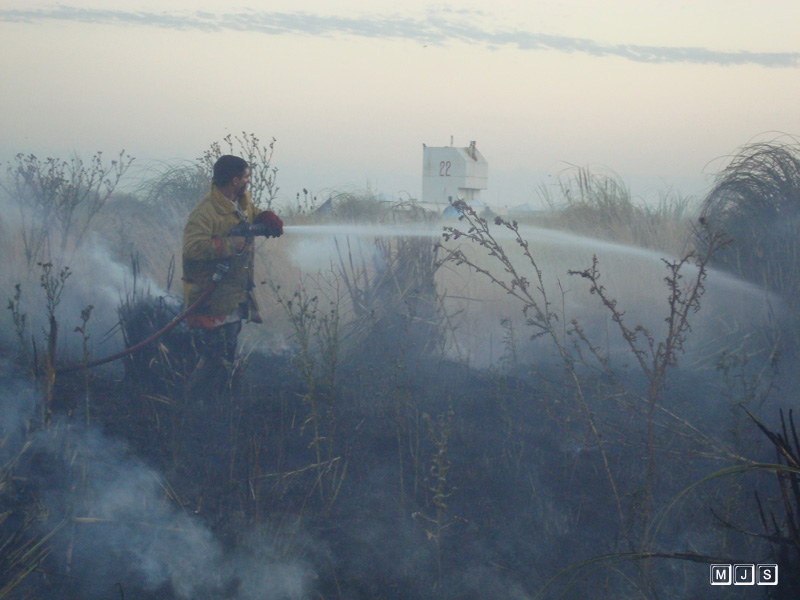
{"x": 116, "y": 522}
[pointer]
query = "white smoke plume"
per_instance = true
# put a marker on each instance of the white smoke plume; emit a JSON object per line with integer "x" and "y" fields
{"x": 118, "y": 524}
{"x": 95, "y": 280}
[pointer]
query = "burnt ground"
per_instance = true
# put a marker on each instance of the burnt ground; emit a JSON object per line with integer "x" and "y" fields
{"x": 404, "y": 479}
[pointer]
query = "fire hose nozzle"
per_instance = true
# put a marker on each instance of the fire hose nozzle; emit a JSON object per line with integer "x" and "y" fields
{"x": 219, "y": 272}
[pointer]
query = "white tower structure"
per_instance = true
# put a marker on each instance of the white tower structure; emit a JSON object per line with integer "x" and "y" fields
{"x": 451, "y": 173}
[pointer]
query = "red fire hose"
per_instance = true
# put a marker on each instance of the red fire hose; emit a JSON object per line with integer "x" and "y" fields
{"x": 222, "y": 268}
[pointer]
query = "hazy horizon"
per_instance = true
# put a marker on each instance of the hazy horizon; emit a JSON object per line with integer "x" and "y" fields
{"x": 659, "y": 94}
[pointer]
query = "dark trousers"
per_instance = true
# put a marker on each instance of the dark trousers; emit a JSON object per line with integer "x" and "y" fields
{"x": 206, "y": 407}
{"x": 217, "y": 349}
{"x": 219, "y": 342}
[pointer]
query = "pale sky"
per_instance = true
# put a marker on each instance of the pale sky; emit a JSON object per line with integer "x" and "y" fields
{"x": 660, "y": 92}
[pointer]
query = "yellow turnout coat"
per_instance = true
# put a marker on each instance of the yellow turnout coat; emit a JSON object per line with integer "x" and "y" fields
{"x": 205, "y": 245}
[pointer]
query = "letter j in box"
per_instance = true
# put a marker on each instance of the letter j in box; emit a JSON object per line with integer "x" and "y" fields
{"x": 744, "y": 574}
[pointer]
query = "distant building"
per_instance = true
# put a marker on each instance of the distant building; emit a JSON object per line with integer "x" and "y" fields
{"x": 325, "y": 209}
{"x": 452, "y": 173}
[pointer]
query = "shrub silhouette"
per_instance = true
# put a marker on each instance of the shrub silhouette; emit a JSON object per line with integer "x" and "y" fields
{"x": 756, "y": 201}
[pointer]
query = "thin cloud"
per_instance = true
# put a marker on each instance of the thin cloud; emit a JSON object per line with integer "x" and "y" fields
{"x": 436, "y": 29}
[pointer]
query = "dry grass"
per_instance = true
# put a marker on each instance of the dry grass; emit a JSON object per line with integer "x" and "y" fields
{"x": 600, "y": 205}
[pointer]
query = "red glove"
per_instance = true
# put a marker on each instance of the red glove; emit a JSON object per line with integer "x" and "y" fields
{"x": 271, "y": 222}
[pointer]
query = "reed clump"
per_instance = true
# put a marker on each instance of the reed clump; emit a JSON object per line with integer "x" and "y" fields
{"x": 599, "y": 204}
{"x": 756, "y": 201}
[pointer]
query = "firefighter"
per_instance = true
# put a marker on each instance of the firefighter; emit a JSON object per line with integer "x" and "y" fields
{"x": 208, "y": 248}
